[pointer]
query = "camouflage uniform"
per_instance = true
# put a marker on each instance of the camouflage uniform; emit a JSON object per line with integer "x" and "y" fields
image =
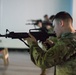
{"x": 62, "y": 54}
{"x": 50, "y": 30}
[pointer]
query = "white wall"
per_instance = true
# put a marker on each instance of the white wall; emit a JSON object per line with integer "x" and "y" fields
{"x": 74, "y": 13}
{"x": 15, "y": 13}
{"x": 0, "y": 14}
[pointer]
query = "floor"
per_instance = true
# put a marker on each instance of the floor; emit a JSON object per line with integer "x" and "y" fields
{"x": 20, "y": 64}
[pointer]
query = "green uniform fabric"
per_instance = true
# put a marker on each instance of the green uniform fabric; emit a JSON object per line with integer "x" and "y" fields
{"x": 50, "y": 30}
{"x": 62, "y": 54}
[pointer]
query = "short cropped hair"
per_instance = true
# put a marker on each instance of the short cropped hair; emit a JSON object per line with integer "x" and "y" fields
{"x": 52, "y": 17}
{"x": 63, "y": 16}
{"x": 45, "y": 15}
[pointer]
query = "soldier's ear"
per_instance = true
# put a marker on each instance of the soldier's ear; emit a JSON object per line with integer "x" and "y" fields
{"x": 61, "y": 23}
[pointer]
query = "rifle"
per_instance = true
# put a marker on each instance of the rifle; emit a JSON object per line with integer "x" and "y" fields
{"x": 35, "y": 20}
{"x": 39, "y": 34}
{"x": 44, "y": 23}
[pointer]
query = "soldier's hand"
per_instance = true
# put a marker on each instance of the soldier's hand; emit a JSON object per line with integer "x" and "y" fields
{"x": 31, "y": 40}
{"x": 32, "y": 37}
{"x": 48, "y": 44}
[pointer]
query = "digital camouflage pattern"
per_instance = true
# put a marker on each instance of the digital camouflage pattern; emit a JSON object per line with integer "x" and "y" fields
{"x": 62, "y": 54}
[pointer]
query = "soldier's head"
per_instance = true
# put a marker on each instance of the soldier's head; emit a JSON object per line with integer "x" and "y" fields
{"x": 51, "y": 18}
{"x": 46, "y": 18}
{"x": 62, "y": 23}
{"x": 39, "y": 23}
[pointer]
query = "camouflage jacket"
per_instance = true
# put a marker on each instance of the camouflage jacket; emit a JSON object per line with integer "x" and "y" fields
{"x": 62, "y": 54}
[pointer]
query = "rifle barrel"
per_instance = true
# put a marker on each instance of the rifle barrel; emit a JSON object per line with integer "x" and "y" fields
{"x": 2, "y": 35}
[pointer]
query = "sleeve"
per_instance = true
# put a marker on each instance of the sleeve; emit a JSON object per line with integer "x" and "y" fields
{"x": 55, "y": 54}
{"x": 37, "y": 54}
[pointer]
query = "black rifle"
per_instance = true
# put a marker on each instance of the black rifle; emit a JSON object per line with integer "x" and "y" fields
{"x": 39, "y": 34}
{"x": 44, "y": 23}
{"x": 34, "y": 22}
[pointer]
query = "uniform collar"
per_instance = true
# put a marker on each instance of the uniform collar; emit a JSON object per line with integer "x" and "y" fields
{"x": 67, "y": 34}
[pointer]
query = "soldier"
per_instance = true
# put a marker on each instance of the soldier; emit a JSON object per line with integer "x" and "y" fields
{"x": 62, "y": 49}
{"x": 46, "y": 18}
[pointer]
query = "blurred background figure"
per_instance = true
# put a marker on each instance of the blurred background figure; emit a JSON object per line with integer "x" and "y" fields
{"x": 46, "y": 18}
{"x": 48, "y": 23}
{"x": 39, "y": 23}
{"x": 51, "y": 18}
